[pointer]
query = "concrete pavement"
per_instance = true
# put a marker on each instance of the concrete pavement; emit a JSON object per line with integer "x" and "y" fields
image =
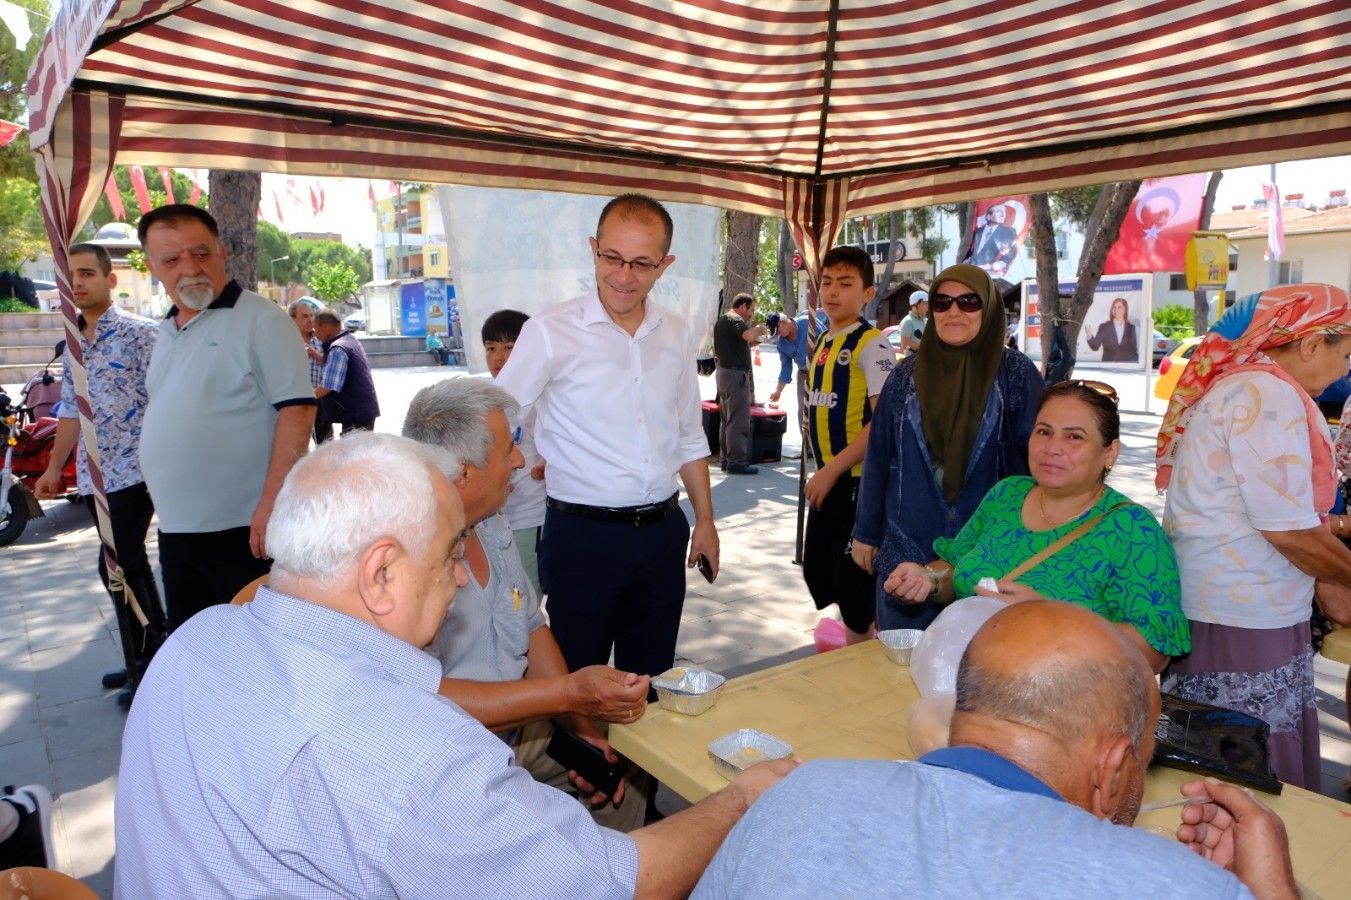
{"x": 59, "y": 727}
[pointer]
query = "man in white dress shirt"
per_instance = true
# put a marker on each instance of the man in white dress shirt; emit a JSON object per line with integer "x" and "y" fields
{"x": 616, "y": 399}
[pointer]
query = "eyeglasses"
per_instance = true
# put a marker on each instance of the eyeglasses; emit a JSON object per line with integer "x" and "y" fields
{"x": 967, "y": 303}
{"x": 614, "y": 261}
{"x": 1097, "y": 387}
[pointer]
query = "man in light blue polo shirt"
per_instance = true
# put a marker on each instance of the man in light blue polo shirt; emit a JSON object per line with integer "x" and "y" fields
{"x": 496, "y": 632}
{"x": 1053, "y": 729}
{"x": 231, "y": 409}
{"x": 296, "y": 746}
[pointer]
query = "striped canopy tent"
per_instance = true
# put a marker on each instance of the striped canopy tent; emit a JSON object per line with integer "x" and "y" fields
{"x": 807, "y": 109}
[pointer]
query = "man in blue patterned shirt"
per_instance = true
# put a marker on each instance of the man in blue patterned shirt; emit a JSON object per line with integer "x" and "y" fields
{"x": 116, "y": 347}
{"x": 296, "y": 746}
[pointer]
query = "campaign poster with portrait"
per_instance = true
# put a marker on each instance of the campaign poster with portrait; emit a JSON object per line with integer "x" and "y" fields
{"x": 1117, "y": 328}
{"x": 1000, "y": 230}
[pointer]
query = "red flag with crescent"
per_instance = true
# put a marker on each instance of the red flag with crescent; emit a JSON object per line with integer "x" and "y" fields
{"x": 9, "y": 131}
{"x": 1161, "y": 219}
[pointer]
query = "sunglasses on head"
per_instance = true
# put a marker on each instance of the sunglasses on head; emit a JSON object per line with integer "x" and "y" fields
{"x": 967, "y": 303}
{"x": 1097, "y": 387}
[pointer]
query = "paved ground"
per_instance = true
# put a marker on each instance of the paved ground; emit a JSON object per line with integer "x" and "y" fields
{"x": 57, "y": 632}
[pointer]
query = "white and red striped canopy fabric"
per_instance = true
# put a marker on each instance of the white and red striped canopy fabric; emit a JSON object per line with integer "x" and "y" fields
{"x": 813, "y": 110}
{"x": 718, "y": 101}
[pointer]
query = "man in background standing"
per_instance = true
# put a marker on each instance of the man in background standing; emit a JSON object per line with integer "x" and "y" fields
{"x": 231, "y": 409}
{"x": 116, "y": 347}
{"x": 302, "y": 313}
{"x": 346, "y": 390}
{"x": 733, "y": 335}
{"x": 616, "y": 397}
{"x": 912, "y": 326}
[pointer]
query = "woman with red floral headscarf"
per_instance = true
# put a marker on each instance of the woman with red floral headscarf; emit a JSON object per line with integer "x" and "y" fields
{"x": 1245, "y": 455}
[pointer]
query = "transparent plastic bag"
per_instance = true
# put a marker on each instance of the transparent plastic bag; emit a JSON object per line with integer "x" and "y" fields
{"x": 934, "y": 663}
{"x": 929, "y": 722}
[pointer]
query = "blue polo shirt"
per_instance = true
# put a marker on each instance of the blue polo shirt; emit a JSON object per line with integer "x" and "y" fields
{"x": 215, "y": 387}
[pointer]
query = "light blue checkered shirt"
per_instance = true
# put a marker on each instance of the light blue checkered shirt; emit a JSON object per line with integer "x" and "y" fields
{"x": 316, "y": 368}
{"x": 334, "y": 374}
{"x": 282, "y": 749}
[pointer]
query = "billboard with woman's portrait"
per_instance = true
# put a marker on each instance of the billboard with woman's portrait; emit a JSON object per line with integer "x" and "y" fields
{"x": 1117, "y": 327}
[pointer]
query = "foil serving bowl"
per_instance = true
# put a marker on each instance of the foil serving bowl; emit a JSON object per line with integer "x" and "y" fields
{"x": 738, "y": 751}
{"x": 687, "y": 690}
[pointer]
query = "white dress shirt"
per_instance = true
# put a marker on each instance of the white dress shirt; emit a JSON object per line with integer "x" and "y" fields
{"x": 615, "y": 416}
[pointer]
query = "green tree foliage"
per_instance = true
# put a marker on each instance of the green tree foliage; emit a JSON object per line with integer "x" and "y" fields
{"x": 766, "y": 289}
{"x": 22, "y": 234}
{"x": 333, "y": 253}
{"x": 103, "y": 211}
{"x": 306, "y": 257}
{"x": 332, "y": 283}
{"x": 1075, "y": 205}
{"x": 16, "y": 159}
{"x": 273, "y": 243}
{"x": 1175, "y": 321}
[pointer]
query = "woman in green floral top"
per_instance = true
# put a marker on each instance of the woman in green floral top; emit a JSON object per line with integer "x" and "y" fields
{"x": 1123, "y": 568}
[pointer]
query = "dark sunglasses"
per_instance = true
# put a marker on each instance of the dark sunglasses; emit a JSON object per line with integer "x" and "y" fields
{"x": 967, "y": 303}
{"x": 1097, "y": 387}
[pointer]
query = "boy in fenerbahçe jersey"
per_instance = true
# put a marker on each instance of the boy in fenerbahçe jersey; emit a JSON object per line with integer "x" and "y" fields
{"x": 848, "y": 366}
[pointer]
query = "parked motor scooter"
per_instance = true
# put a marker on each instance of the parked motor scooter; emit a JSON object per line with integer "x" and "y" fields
{"x": 28, "y": 435}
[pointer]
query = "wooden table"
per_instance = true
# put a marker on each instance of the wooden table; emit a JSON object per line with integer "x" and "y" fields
{"x": 852, "y": 704}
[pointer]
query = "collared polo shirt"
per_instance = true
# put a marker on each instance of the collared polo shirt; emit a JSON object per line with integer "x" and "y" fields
{"x": 215, "y": 387}
{"x": 116, "y": 361}
{"x": 616, "y": 415}
{"x": 284, "y": 749}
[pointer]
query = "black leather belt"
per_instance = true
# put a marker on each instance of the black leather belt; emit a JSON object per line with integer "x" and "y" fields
{"x": 650, "y": 514}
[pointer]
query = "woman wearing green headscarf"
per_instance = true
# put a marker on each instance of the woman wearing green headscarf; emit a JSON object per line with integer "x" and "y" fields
{"x": 952, "y": 420}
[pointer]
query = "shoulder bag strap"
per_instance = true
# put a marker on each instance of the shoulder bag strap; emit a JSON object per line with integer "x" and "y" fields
{"x": 1064, "y": 541}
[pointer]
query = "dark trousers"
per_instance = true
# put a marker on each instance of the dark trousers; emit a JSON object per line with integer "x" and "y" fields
{"x": 323, "y": 431}
{"x": 347, "y": 428}
{"x": 828, "y": 566}
{"x": 202, "y": 569}
{"x": 734, "y": 403}
{"x": 129, "y": 512}
{"x": 612, "y": 585}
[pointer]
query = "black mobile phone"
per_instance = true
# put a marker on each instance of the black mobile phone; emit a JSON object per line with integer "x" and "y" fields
{"x": 705, "y": 569}
{"x": 575, "y": 754}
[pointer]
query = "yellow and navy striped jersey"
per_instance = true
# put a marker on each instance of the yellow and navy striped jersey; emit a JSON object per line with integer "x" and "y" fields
{"x": 845, "y": 370}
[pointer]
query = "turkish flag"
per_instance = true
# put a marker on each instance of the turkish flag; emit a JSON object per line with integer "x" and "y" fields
{"x": 1154, "y": 234}
{"x": 142, "y": 192}
{"x": 115, "y": 200}
{"x": 167, "y": 177}
{"x": 9, "y": 131}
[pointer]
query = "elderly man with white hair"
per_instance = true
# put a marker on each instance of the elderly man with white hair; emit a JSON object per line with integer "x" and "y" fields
{"x": 296, "y": 746}
{"x": 501, "y": 661}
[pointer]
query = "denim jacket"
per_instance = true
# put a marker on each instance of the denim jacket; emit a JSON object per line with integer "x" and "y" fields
{"x": 901, "y": 506}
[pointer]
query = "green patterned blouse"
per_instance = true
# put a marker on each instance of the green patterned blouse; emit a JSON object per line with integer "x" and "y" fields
{"x": 1123, "y": 569}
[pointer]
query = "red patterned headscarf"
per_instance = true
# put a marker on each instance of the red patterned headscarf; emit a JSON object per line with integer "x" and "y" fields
{"x": 1260, "y": 322}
